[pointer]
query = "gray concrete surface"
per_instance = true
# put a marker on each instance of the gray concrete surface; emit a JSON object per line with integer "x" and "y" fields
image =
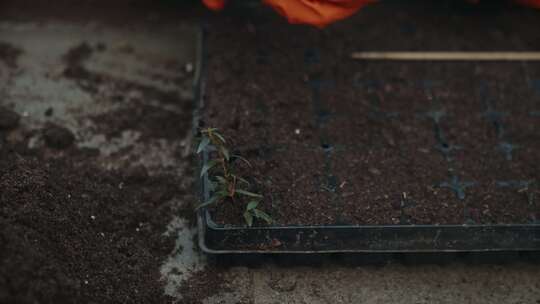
{"x": 457, "y": 283}
{"x": 32, "y": 88}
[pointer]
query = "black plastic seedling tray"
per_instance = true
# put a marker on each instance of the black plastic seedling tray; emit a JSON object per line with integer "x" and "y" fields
{"x": 217, "y": 239}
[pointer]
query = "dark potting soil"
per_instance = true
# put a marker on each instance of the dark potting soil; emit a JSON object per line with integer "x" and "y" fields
{"x": 338, "y": 141}
{"x": 58, "y": 137}
{"x": 71, "y": 232}
{"x": 9, "y": 119}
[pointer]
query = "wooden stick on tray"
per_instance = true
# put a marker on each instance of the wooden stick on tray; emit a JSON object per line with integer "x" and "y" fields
{"x": 448, "y": 56}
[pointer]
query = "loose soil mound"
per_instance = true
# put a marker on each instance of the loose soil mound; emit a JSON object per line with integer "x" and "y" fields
{"x": 70, "y": 232}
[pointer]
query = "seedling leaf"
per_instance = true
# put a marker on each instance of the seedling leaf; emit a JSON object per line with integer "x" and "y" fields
{"x": 225, "y": 153}
{"x": 221, "y": 180}
{"x": 243, "y": 180}
{"x": 252, "y": 205}
{"x": 208, "y": 166}
{"x": 220, "y": 137}
{"x": 208, "y": 130}
{"x": 210, "y": 201}
{"x": 247, "y": 193}
{"x": 262, "y": 215}
{"x": 203, "y": 144}
{"x": 242, "y": 159}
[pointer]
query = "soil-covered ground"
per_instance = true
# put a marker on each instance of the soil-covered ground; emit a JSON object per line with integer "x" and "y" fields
{"x": 334, "y": 140}
{"x": 95, "y": 126}
{"x": 73, "y": 232}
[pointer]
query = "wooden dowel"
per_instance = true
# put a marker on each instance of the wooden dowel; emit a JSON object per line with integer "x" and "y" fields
{"x": 448, "y": 56}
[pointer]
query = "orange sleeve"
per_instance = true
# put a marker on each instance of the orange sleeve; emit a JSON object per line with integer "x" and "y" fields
{"x": 215, "y": 5}
{"x": 316, "y": 12}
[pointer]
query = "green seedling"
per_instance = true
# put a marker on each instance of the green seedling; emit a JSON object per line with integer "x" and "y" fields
{"x": 226, "y": 185}
{"x": 252, "y": 212}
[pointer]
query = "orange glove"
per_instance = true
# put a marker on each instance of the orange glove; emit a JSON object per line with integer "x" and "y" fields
{"x": 323, "y": 12}
{"x": 315, "y": 12}
{"x": 319, "y": 13}
{"x": 215, "y": 5}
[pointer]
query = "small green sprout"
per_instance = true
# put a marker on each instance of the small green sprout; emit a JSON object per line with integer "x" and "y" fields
{"x": 252, "y": 212}
{"x": 225, "y": 184}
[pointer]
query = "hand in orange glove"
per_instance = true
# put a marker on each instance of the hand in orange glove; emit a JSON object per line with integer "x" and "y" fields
{"x": 215, "y": 5}
{"x": 314, "y": 12}
{"x": 319, "y": 13}
{"x": 323, "y": 12}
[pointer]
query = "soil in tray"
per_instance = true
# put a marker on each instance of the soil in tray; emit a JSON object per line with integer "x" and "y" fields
{"x": 337, "y": 141}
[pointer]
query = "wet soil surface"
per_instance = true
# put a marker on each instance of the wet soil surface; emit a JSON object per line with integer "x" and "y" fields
{"x": 338, "y": 141}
